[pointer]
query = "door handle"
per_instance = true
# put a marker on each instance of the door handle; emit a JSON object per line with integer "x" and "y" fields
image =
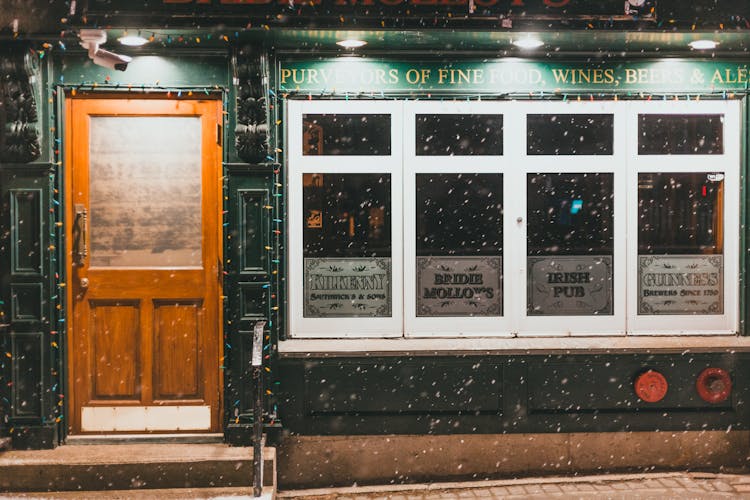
{"x": 80, "y": 236}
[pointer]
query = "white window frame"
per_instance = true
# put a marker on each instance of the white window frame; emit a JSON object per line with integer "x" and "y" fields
{"x": 453, "y": 326}
{"x": 729, "y": 163}
{"x": 299, "y": 164}
{"x": 569, "y": 325}
{"x": 403, "y": 164}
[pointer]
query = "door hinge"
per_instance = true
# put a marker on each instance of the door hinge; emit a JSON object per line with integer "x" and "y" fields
{"x": 219, "y": 135}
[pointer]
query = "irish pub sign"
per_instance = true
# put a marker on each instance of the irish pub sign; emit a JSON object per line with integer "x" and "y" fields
{"x": 355, "y": 75}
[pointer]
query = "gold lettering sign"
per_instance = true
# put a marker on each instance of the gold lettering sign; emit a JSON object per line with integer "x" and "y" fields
{"x": 339, "y": 76}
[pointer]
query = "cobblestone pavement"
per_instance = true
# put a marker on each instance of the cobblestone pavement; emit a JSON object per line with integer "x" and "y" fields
{"x": 684, "y": 486}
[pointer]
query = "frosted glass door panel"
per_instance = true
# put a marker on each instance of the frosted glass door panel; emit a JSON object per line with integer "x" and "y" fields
{"x": 145, "y": 192}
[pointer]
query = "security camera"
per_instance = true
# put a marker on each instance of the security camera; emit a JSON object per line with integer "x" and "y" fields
{"x": 111, "y": 60}
{"x": 91, "y": 40}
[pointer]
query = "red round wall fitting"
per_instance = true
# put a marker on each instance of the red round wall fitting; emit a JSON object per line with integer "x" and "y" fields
{"x": 714, "y": 385}
{"x": 651, "y": 386}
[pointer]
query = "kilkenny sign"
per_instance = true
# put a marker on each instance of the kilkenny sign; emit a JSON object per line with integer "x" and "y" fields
{"x": 459, "y": 286}
{"x": 569, "y": 285}
{"x": 347, "y": 287}
{"x": 680, "y": 284}
{"x": 354, "y": 75}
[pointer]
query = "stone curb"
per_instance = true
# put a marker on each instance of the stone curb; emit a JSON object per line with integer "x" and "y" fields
{"x": 432, "y": 487}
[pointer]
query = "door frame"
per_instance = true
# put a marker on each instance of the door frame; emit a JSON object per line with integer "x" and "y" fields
{"x": 71, "y": 402}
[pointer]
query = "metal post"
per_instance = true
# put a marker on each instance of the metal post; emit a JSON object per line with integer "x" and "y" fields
{"x": 257, "y": 364}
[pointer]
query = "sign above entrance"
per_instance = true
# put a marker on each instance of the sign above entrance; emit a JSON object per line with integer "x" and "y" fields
{"x": 357, "y": 75}
{"x": 548, "y": 9}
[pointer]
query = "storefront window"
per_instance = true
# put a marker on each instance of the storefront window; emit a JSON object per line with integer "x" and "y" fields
{"x": 347, "y": 245}
{"x": 569, "y": 134}
{"x": 459, "y": 135}
{"x": 662, "y": 134}
{"x": 346, "y": 134}
{"x": 459, "y": 240}
{"x": 680, "y": 243}
{"x": 570, "y": 244}
{"x": 509, "y": 218}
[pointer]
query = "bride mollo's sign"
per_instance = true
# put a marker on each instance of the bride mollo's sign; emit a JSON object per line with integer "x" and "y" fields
{"x": 459, "y": 286}
{"x": 347, "y": 287}
{"x": 680, "y": 284}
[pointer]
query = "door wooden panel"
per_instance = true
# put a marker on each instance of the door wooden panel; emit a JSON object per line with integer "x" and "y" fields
{"x": 143, "y": 233}
{"x": 177, "y": 336}
{"x": 115, "y": 337}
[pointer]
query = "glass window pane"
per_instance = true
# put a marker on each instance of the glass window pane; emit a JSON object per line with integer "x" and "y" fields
{"x": 459, "y": 243}
{"x": 680, "y": 243}
{"x": 570, "y": 244}
{"x": 573, "y": 134}
{"x": 680, "y": 213}
{"x": 346, "y": 134}
{"x": 347, "y": 245}
{"x": 680, "y": 134}
{"x": 145, "y": 198}
{"x": 459, "y": 135}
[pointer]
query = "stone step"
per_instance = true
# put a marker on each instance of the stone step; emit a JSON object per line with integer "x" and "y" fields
{"x": 244, "y": 493}
{"x": 132, "y": 466}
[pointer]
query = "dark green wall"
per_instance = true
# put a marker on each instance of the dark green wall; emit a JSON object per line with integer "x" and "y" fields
{"x": 504, "y": 394}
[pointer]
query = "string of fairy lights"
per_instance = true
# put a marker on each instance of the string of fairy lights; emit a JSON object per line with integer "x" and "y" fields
{"x": 57, "y": 234}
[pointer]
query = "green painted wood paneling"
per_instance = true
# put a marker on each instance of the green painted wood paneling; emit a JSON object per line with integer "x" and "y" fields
{"x": 253, "y": 237}
{"x": 173, "y": 69}
{"x": 540, "y": 393}
{"x": 247, "y": 284}
{"x": 27, "y": 391}
{"x": 26, "y": 232}
{"x": 26, "y": 302}
{"x": 334, "y": 387}
{"x": 28, "y": 249}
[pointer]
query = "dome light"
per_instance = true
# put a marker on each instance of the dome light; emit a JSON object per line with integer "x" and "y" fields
{"x": 132, "y": 40}
{"x": 351, "y": 43}
{"x": 703, "y": 44}
{"x": 528, "y": 43}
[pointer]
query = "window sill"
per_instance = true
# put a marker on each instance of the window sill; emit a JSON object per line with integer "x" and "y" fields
{"x": 314, "y": 348}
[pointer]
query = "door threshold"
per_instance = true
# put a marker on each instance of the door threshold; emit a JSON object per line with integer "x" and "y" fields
{"x": 145, "y": 439}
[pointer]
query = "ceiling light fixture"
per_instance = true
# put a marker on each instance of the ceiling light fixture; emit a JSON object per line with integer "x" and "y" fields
{"x": 132, "y": 40}
{"x": 703, "y": 44}
{"x": 351, "y": 43}
{"x": 528, "y": 43}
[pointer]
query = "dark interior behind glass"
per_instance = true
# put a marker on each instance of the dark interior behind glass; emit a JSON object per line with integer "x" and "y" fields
{"x": 347, "y": 215}
{"x": 680, "y": 213}
{"x": 346, "y": 134}
{"x": 680, "y": 134}
{"x": 459, "y": 214}
{"x": 569, "y": 134}
{"x": 459, "y": 135}
{"x": 570, "y": 214}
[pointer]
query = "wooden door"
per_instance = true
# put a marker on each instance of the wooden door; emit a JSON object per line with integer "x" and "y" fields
{"x": 143, "y": 239}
